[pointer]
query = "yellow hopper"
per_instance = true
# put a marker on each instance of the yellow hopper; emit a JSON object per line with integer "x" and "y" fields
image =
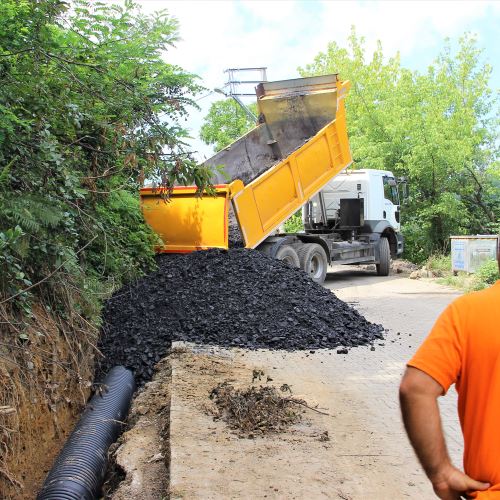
{"x": 188, "y": 222}
{"x": 296, "y": 108}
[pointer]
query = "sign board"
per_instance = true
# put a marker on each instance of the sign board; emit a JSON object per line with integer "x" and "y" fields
{"x": 468, "y": 253}
{"x": 458, "y": 255}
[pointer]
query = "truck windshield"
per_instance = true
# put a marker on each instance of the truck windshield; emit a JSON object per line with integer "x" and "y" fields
{"x": 391, "y": 190}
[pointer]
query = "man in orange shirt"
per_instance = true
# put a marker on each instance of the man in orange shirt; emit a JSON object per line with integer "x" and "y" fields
{"x": 463, "y": 348}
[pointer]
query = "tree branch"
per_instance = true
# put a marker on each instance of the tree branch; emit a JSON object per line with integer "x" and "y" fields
{"x": 10, "y": 54}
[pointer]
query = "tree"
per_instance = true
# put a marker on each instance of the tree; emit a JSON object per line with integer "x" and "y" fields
{"x": 224, "y": 123}
{"x": 438, "y": 128}
{"x": 88, "y": 107}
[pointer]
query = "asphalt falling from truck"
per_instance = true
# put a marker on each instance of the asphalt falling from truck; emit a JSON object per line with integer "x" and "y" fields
{"x": 236, "y": 298}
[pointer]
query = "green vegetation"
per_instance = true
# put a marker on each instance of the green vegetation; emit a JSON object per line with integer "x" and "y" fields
{"x": 294, "y": 223}
{"x": 486, "y": 275}
{"x": 438, "y": 128}
{"x": 224, "y": 123}
{"x": 88, "y": 108}
{"x": 439, "y": 264}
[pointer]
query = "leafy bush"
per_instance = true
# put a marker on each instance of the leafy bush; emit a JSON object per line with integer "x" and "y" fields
{"x": 294, "y": 223}
{"x": 12, "y": 248}
{"x": 88, "y": 109}
{"x": 486, "y": 275}
{"x": 439, "y": 264}
{"x": 416, "y": 244}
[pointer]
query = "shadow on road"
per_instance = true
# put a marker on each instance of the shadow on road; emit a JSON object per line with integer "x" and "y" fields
{"x": 345, "y": 276}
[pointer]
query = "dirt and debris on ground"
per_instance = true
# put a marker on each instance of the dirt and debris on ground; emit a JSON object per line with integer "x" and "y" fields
{"x": 399, "y": 266}
{"x": 402, "y": 266}
{"x": 228, "y": 463}
{"x": 177, "y": 428}
{"x": 235, "y": 298}
{"x": 256, "y": 410}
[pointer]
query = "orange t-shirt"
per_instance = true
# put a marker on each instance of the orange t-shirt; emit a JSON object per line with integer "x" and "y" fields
{"x": 464, "y": 348}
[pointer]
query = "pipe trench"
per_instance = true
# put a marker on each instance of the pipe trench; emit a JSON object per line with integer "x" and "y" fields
{"x": 79, "y": 470}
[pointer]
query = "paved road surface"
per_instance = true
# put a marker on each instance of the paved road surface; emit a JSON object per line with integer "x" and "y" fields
{"x": 404, "y": 306}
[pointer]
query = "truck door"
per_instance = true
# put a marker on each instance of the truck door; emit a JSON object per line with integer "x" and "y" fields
{"x": 391, "y": 202}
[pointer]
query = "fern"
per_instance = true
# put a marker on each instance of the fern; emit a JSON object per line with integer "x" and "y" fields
{"x": 32, "y": 213}
{"x": 22, "y": 216}
{"x": 5, "y": 173}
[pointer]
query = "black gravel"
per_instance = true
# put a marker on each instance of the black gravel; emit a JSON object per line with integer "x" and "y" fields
{"x": 235, "y": 298}
{"x": 234, "y": 234}
{"x": 234, "y": 237}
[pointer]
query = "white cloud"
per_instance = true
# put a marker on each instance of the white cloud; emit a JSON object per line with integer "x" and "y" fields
{"x": 283, "y": 35}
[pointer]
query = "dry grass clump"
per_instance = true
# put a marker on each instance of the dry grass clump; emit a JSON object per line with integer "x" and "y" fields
{"x": 255, "y": 410}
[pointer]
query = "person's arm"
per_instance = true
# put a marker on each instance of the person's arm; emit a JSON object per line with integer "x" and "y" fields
{"x": 418, "y": 395}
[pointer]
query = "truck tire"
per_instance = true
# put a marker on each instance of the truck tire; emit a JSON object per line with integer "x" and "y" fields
{"x": 288, "y": 255}
{"x": 384, "y": 251}
{"x": 313, "y": 261}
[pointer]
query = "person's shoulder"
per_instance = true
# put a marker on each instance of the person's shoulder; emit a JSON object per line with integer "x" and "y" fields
{"x": 478, "y": 298}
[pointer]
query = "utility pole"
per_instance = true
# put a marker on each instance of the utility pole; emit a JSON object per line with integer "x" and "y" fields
{"x": 234, "y": 80}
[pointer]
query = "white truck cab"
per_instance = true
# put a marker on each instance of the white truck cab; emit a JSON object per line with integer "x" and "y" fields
{"x": 377, "y": 188}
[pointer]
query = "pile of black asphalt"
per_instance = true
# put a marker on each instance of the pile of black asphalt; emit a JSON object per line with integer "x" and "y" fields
{"x": 234, "y": 237}
{"x": 235, "y": 298}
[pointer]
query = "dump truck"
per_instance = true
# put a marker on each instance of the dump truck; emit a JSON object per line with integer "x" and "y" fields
{"x": 297, "y": 156}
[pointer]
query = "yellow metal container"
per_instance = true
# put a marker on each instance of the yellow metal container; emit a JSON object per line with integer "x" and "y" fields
{"x": 188, "y": 222}
{"x": 272, "y": 198}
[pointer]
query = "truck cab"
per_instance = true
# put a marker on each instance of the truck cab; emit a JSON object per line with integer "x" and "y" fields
{"x": 377, "y": 210}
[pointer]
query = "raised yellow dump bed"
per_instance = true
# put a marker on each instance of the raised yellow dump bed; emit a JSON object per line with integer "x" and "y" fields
{"x": 189, "y": 222}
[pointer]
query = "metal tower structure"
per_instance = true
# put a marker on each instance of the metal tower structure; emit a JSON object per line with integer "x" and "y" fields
{"x": 237, "y": 87}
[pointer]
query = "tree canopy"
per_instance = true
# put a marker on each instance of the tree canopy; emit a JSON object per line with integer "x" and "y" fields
{"x": 224, "y": 123}
{"x": 438, "y": 128}
{"x": 88, "y": 108}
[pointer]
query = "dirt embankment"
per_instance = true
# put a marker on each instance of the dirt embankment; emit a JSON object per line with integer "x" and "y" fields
{"x": 46, "y": 369}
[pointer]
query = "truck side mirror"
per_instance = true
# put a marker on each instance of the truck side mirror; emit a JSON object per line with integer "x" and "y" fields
{"x": 402, "y": 182}
{"x": 405, "y": 192}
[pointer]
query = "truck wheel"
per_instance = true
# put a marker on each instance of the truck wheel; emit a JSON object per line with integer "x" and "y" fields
{"x": 288, "y": 255}
{"x": 313, "y": 261}
{"x": 385, "y": 257}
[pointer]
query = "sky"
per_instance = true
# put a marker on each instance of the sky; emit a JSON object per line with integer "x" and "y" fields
{"x": 283, "y": 35}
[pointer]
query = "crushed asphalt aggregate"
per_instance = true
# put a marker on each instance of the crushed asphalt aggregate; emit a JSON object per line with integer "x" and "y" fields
{"x": 236, "y": 298}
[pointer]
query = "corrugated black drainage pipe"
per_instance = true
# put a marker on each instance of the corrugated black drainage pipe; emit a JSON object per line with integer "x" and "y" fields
{"x": 79, "y": 470}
